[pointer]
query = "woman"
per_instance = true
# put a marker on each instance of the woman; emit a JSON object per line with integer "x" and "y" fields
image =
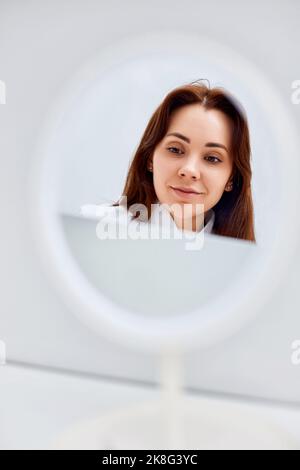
{"x": 196, "y": 150}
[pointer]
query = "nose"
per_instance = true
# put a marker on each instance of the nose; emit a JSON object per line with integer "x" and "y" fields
{"x": 190, "y": 171}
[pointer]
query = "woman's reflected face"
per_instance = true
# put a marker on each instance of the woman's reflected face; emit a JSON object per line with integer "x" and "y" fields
{"x": 197, "y": 156}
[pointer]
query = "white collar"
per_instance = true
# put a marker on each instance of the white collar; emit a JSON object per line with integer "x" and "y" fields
{"x": 94, "y": 211}
{"x": 168, "y": 220}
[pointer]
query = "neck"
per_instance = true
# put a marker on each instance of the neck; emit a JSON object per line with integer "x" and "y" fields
{"x": 194, "y": 224}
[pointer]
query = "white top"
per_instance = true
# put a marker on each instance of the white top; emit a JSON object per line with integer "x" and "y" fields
{"x": 120, "y": 213}
{"x": 168, "y": 221}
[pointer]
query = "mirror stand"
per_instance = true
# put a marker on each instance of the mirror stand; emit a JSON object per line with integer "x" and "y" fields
{"x": 171, "y": 380}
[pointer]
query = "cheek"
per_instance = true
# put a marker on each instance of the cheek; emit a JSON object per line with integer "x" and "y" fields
{"x": 216, "y": 180}
{"x": 163, "y": 170}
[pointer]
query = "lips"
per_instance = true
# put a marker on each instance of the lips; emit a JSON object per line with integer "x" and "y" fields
{"x": 186, "y": 190}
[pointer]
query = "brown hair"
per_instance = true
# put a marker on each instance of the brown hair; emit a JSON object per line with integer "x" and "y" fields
{"x": 234, "y": 211}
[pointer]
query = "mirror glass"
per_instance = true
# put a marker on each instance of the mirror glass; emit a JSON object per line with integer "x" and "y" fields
{"x": 96, "y": 129}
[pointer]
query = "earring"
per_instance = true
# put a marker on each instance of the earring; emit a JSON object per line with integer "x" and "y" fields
{"x": 150, "y": 168}
{"x": 229, "y": 186}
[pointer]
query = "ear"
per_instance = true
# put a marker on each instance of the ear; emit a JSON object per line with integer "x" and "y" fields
{"x": 229, "y": 186}
{"x": 150, "y": 166}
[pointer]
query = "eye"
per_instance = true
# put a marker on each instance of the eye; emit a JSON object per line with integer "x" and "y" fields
{"x": 212, "y": 156}
{"x": 215, "y": 161}
{"x": 170, "y": 148}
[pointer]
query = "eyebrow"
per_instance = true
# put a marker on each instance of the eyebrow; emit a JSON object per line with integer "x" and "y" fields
{"x": 208, "y": 144}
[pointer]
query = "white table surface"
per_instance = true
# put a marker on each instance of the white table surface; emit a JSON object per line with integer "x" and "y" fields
{"x": 38, "y": 404}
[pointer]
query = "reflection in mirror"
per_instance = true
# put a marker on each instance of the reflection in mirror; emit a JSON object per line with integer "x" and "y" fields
{"x": 195, "y": 151}
{"x": 192, "y": 167}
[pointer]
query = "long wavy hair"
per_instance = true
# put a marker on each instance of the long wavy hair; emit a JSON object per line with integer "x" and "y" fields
{"x": 234, "y": 215}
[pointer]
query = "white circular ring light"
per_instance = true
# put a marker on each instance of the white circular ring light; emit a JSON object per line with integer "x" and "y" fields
{"x": 230, "y": 310}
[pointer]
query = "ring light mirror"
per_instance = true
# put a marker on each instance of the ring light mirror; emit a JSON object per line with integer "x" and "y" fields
{"x": 99, "y": 117}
